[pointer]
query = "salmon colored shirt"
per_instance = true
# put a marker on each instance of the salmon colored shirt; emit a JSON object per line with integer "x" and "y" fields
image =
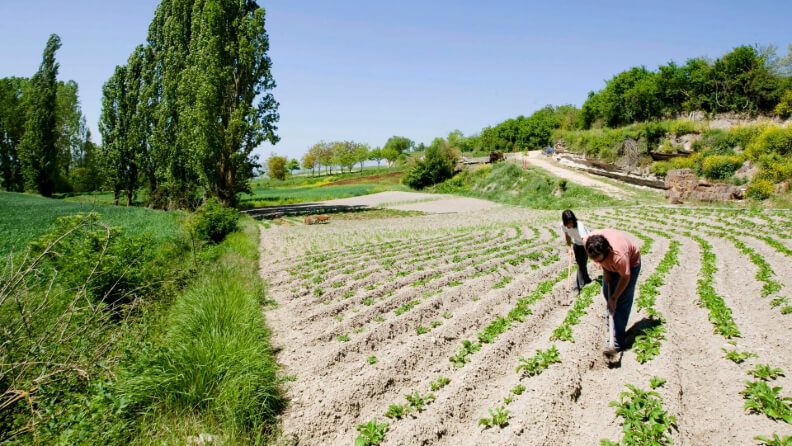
{"x": 625, "y": 252}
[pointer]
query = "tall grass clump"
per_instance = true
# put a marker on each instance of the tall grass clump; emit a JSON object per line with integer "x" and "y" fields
{"x": 213, "y": 361}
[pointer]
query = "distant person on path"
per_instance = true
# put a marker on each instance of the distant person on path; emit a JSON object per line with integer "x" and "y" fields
{"x": 574, "y": 232}
{"x": 620, "y": 260}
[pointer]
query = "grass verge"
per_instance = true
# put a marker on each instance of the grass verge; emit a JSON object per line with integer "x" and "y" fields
{"x": 534, "y": 188}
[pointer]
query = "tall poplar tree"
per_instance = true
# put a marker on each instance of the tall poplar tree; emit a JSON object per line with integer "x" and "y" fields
{"x": 169, "y": 40}
{"x": 230, "y": 108}
{"x": 38, "y": 149}
{"x": 118, "y": 151}
{"x": 12, "y": 127}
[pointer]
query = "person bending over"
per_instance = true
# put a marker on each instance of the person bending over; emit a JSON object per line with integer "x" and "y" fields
{"x": 620, "y": 260}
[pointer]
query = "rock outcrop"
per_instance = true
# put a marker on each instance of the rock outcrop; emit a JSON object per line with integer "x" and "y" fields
{"x": 683, "y": 184}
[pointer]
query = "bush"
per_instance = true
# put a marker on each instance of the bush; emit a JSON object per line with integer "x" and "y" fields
{"x": 760, "y": 189}
{"x": 721, "y": 167}
{"x": 436, "y": 166}
{"x": 681, "y": 127}
{"x": 213, "y": 221}
{"x": 661, "y": 168}
{"x": 771, "y": 140}
{"x": 775, "y": 168}
{"x": 61, "y": 313}
{"x": 784, "y": 108}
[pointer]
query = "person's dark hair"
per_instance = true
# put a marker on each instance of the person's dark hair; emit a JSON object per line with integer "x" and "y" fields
{"x": 568, "y": 216}
{"x": 597, "y": 245}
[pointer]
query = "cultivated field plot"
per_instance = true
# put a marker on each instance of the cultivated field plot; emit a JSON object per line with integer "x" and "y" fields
{"x": 458, "y": 329}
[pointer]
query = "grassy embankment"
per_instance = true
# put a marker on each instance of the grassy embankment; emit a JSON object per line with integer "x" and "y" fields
{"x": 717, "y": 153}
{"x": 533, "y": 188}
{"x": 128, "y": 335}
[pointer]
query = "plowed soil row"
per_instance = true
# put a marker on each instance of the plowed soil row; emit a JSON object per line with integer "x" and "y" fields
{"x": 336, "y": 388}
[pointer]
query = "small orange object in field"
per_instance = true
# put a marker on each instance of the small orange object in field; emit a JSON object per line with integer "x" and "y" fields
{"x": 314, "y": 219}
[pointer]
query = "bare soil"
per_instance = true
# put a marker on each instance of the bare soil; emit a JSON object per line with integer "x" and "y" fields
{"x": 354, "y": 290}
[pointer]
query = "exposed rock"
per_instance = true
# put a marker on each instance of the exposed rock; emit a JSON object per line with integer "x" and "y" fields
{"x": 782, "y": 187}
{"x": 746, "y": 171}
{"x": 682, "y": 184}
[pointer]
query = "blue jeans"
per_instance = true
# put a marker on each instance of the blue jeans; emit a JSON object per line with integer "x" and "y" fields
{"x": 623, "y": 305}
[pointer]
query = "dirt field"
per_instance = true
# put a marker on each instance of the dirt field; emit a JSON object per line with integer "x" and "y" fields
{"x": 368, "y": 312}
{"x": 415, "y": 201}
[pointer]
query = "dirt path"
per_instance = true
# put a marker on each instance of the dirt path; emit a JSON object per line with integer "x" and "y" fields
{"x": 536, "y": 158}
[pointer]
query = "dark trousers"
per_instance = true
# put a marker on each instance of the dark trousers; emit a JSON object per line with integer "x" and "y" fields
{"x": 581, "y": 258}
{"x": 623, "y": 305}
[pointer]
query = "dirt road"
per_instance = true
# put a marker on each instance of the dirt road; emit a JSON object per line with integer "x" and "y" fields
{"x": 536, "y": 158}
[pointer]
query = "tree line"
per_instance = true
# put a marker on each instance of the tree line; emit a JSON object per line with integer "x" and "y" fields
{"x": 45, "y": 145}
{"x": 182, "y": 117}
{"x": 746, "y": 80}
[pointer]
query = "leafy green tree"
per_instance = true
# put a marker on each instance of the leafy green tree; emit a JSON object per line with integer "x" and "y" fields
{"x": 38, "y": 149}
{"x": 70, "y": 123}
{"x": 309, "y": 160}
{"x": 399, "y": 145}
{"x": 361, "y": 152}
{"x": 293, "y": 165}
{"x": 12, "y": 127}
{"x": 276, "y": 167}
{"x": 86, "y": 174}
{"x": 325, "y": 155}
{"x": 375, "y": 154}
{"x": 742, "y": 82}
{"x": 229, "y": 107}
{"x": 390, "y": 154}
{"x": 436, "y": 165}
{"x": 118, "y": 153}
{"x": 168, "y": 41}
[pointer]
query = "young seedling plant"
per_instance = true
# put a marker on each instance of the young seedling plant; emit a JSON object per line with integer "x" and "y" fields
{"x": 371, "y": 433}
{"x": 645, "y": 422}
{"x": 498, "y": 417}
{"x": 761, "y": 398}
{"x": 538, "y": 363}
{"x": 737, "y": 357}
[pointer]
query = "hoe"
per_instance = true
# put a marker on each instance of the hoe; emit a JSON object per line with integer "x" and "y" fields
{"x": 610, "y": 349}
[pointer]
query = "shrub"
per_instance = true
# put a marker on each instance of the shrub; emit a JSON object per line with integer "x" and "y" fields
{"x": 213, "y": 221}
{"x": 436, "y": 166}
{"x": 681, "y": 127}
{"x": 784, "y": 107}
{"x": 760, "y": 189}
{"x": 662, "y": 167}
{"x": 720, "y": 167}
{"x": 772, "y": 140}
{"x": 775, "y": 168}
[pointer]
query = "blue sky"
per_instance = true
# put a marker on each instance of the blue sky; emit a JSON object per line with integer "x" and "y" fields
{"x": 366, "y": 70}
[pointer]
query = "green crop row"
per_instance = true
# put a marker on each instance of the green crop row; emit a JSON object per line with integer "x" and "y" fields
{"x": 719, "y": 314}
{"x": 564, "y": 331}
{"x": 501, "y": 323}
{"x": 647, "y": 344}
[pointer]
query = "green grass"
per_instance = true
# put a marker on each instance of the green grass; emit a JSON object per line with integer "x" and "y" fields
{"x": 212, "y": 362}
{"x": 533, "y": 188}
{"x": 191, "y": 355}
{"x": 304, "y": 188}
{"x": 26, "y": 217}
